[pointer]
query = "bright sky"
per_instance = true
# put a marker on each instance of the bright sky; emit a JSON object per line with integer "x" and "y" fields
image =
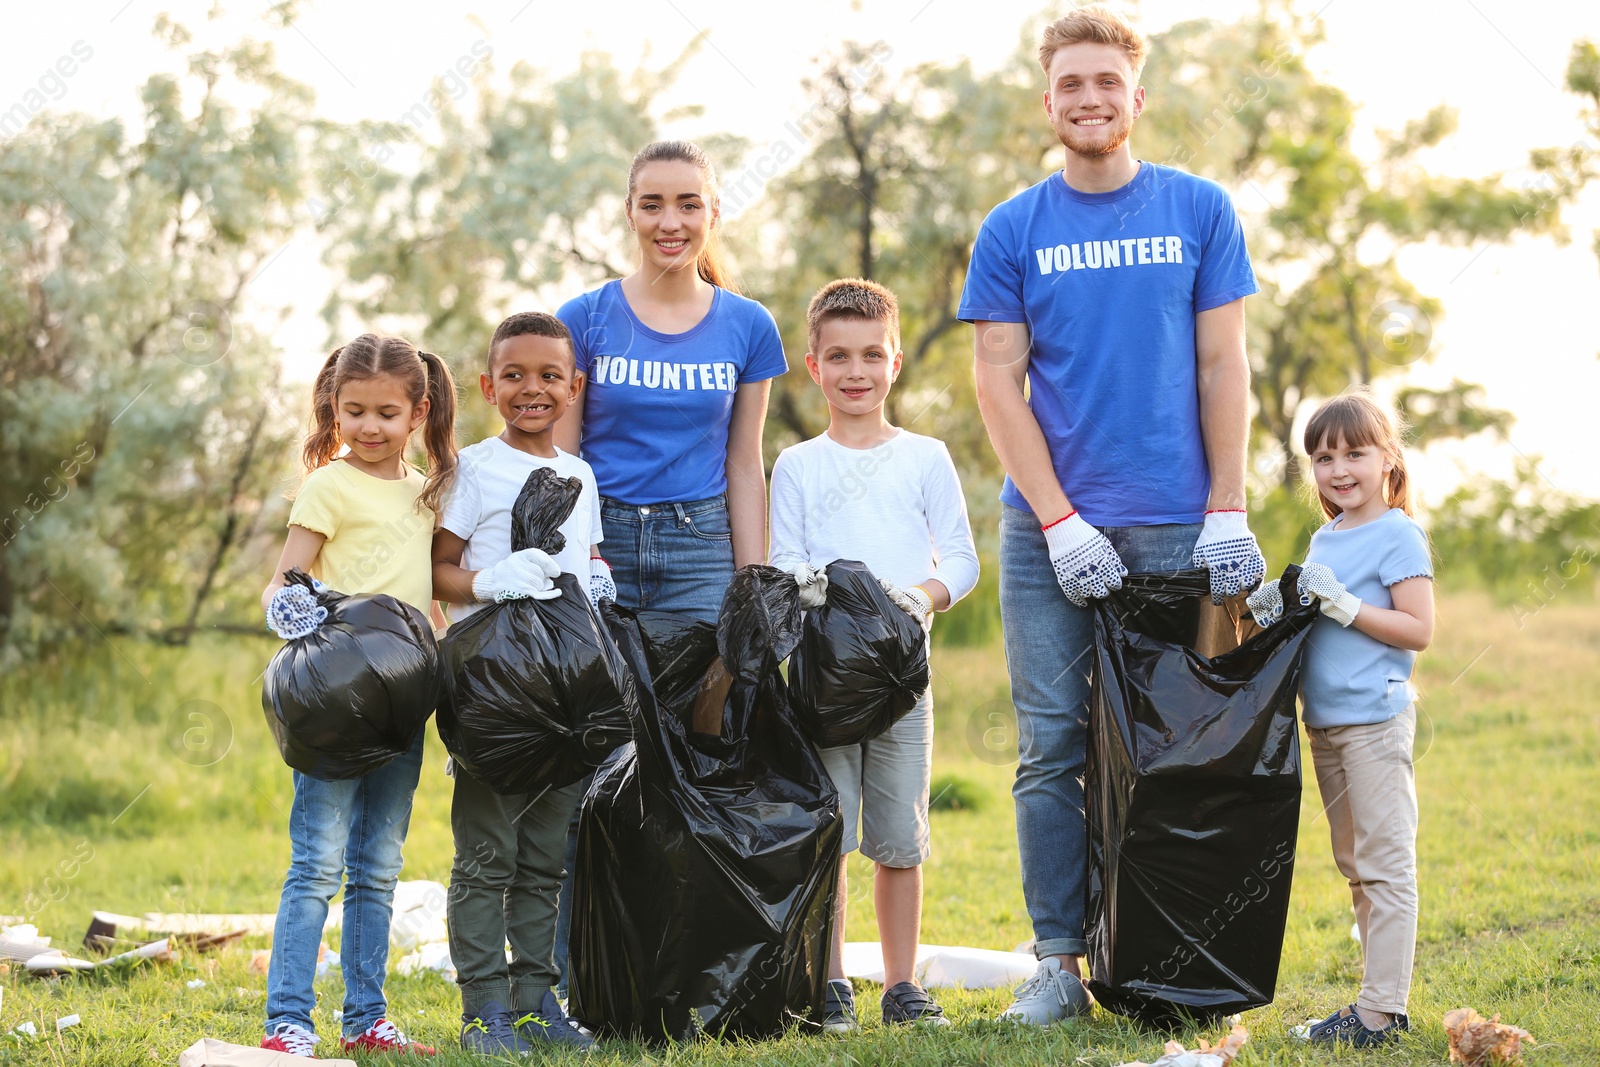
{"x": 1519, "y": 318}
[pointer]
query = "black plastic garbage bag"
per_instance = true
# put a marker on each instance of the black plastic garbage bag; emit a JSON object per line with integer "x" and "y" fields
{"x": 536, "y": 693}
{"x": 708, "y": 852}
{"x": 861, "y": 662}
{"x": 344, "y": 700}
{"x": 1193, "y": 803}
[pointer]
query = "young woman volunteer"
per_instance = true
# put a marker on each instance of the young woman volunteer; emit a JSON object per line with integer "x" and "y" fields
{"x": 679, "y": 366}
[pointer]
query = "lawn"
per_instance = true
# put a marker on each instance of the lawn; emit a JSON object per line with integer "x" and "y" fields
{"x": 136, "y": 778}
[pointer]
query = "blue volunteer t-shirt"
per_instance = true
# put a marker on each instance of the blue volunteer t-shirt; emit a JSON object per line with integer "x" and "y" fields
{"x": 1109, "y": 285}
{"x": 1351, "y": 679}
{"x": 655, "y": 421}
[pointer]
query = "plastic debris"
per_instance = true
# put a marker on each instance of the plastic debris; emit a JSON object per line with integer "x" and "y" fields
{"x": 1207, "y": 1055}
{"x": 1479, "y": 1042}
{"x": 945, "y": 966}
{"x": 196, "y": 983}
{"x": 431, "y": 958}
{"x": 66, "y": 1021}
{"x": 25, "y": 1029}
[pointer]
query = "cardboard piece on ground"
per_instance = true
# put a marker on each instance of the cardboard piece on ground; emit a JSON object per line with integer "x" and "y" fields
{"x": 159, "y": 922}
{"x": 209, "y": 1052}
{"x": 945, "y": 966}
{"x": 103, "y": 926}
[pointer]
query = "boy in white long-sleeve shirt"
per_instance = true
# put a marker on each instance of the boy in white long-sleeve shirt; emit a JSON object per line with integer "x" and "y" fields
{"x": 869, "y": 491}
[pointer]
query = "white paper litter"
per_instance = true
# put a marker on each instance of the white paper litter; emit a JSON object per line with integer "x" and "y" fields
{"x": 432, "y": 958}
{"x": 66, "y": 1021}
{"x": 26, "y": 1029}
{"x": 196, "y": 983}
{"x": 945, "y": 966}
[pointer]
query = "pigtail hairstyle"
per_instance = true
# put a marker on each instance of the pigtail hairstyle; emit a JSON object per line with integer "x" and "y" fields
{"x": 712, "y": 264}
{"x": 423, "y": 375}
{"x": 1360, "y": 421}
{"x": 439, "y": 432}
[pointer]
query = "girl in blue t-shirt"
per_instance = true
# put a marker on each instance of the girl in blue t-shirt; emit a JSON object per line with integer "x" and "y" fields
{"x": 678, "y": 369}
{"x": 1370, "y": 570}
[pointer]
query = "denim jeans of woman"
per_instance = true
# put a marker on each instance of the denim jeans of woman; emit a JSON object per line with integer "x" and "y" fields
{"x": 1049, "y": 644}
{"x": 664, "y": 557}
{"x": 350, "y": 830}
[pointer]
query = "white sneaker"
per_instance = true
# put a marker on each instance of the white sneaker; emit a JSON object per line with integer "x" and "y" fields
{"x": 1050, "y": 996}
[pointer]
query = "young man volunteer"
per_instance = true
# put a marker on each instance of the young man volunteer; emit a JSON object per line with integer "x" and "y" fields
{"x": 1115, "y": 290}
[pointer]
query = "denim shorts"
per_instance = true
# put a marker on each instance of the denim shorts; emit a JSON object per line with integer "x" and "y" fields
{"x": 670, "y": 557}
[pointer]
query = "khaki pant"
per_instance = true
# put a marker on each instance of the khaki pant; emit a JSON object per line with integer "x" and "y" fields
{"x": 1369, "y": 796}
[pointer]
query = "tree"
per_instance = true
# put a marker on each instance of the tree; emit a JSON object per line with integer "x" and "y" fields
{"x": 133, "y": 451}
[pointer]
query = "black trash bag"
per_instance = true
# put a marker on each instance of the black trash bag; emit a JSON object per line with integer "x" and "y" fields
{"x": 861, "y": 663}
{"x": 1193, "y": 803}
{"x": 345, "y": 700}
{"x": 536, "y": 693}
{"x": 708, "y": 852}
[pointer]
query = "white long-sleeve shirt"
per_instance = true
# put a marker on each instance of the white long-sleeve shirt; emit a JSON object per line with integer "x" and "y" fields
{"x": 896, "y": 507}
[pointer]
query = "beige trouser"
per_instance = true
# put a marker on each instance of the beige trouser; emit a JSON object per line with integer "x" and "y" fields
{"x": 1369, "y": 796}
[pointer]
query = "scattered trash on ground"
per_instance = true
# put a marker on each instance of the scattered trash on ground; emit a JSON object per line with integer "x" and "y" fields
{"x": 431, "y": 958}
{"x": 209, "y": 1052}
{"x": 1479, "y": 1042}
{"x": 260, "y": 960}
{"x": 945, "y": 966}
{"x": 1207, "y": 1055}
{"x": 65, "y": 1021}
{"x": 196, "y": 983}
{"x": 25, "y": 1029}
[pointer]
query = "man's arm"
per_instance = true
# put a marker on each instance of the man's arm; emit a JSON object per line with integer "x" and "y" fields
{"x": 1224, "y": 380}
{"x": 1003, "y": 350}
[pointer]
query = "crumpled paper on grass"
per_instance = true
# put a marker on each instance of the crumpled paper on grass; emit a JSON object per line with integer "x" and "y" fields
{"x": 1207, "y": 1055}
{"x": 1479, "y": 1042}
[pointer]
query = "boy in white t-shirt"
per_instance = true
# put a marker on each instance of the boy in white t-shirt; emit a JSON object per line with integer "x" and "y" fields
{"x": 869, "y": 491}
{"x": 509, "y": 849}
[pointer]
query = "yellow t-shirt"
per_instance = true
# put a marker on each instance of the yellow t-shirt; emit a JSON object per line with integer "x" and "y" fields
{"x": 378, "y": 540}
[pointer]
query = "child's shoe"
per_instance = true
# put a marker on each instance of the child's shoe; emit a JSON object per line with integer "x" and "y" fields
{"x": 490, "y": 1032}
{"x": 292, "y": 1040}
{"x": 1344, "y": 1027}
{"x": 908, "y": 1002}
{"x": 839, "y": 1007}
{"x": 551, "y": 1025}
{"x": 384, "y": 1036}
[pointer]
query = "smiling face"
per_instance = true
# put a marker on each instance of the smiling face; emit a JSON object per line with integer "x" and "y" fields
{"x": 532, "y": 383}
{"x": 1091, "y": 98}
{"x": 855, "y": 362}
{"x": 375, "y": 419}
{"x": 671, "y": 214}
{"x": 1352, "y": 477}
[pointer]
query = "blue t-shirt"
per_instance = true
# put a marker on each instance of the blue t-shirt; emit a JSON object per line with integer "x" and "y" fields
{"x": 1351, "y": 679}
{"x": 658, "y": 405}
{"x": 1109, "y": 285}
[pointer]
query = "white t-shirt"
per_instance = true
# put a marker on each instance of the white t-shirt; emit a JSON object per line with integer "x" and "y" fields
{"x": 896, "y": 507}
{"x": 489, "y": 478}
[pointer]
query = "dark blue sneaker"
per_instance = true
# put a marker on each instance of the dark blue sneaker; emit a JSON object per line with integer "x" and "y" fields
{"x": 550, "y": 1025}
{"x": 490, "y": 1032}
{"x": 839, "y": 1007}
{"x": 1344, "y": 1027}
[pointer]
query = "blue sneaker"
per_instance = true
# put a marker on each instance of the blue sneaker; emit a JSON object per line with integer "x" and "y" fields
{"x": 490, "y": 1032}
{"x": 550, "y": 1025}
{"x": 1344, "y": 1027}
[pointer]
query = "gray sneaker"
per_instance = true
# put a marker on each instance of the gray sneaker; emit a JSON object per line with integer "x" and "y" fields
{"x": 1050, "y": 996}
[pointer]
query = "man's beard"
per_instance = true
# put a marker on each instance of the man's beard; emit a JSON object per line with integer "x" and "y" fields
{"x": 1093, "y": 148}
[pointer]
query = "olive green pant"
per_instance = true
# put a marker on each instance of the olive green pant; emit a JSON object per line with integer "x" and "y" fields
{"x": 504, "y": 886}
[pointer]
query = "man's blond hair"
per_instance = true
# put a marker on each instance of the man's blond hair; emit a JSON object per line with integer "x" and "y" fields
{"x": 1096, "y": 24}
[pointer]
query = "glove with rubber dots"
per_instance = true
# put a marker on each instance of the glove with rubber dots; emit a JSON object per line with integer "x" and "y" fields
{"x": 914, "y": 601}
{"x": 813, "y": 583}
{"x": 1337, "y": 603}
{"x": 520, "y": 576}
{"x": 601, "y": 585}
{"x": 1228, "y": 549}
{"x": 1085, "y": 562}
{"x": 1266, "y": 604}
{"x": 293, "y": 612}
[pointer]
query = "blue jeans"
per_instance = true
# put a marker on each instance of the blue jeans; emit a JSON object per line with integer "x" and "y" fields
{"x": 1049, "y": 647}
{"x": 664, "y": 557}
{"x": 351, "y": 829}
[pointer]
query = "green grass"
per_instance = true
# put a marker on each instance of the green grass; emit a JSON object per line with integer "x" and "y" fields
{"x": 110, "y": 799}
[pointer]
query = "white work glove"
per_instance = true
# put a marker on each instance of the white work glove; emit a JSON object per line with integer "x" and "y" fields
{"x": 294, "y": 612}
{"x": 914, "y": 601}
{"x": 1086, "y": 564}
{"x": 1338, "y": 603}
{"x": 521, "y": 575}
{"x": 601, "y": 585}
{"x": 813, "y": 583}
{"x": 1266, "y": 604}
{"x": 1228, "y": 549}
